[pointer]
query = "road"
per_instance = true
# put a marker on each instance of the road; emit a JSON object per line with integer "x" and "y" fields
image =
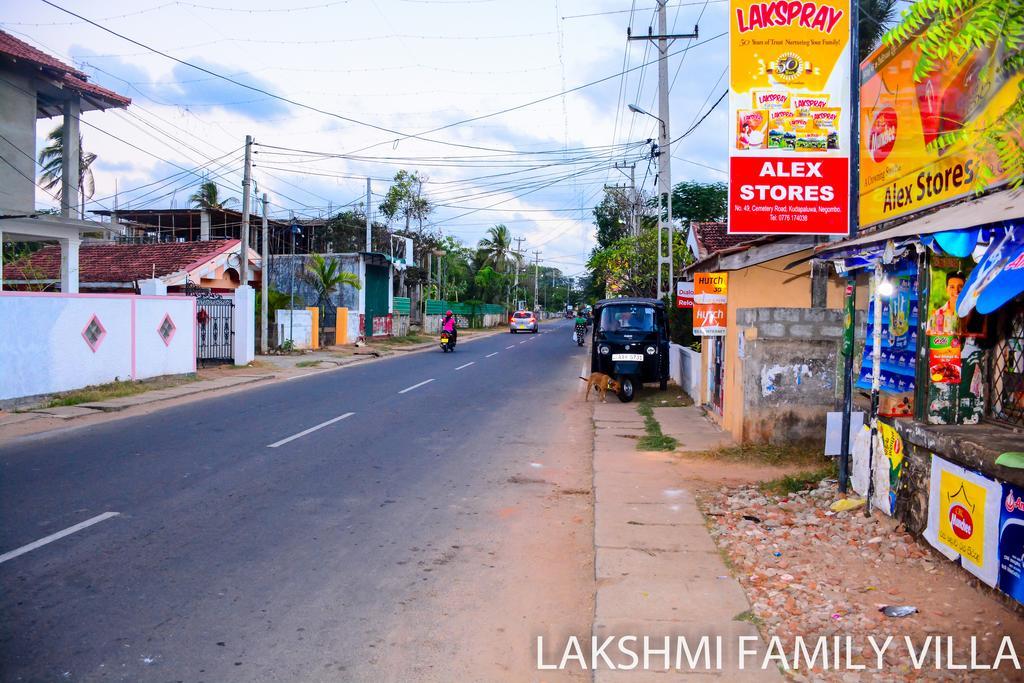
{"x": 420, "y": 517}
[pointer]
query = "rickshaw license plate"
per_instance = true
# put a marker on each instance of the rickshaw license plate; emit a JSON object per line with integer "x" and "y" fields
{"x": 627, "y": 356}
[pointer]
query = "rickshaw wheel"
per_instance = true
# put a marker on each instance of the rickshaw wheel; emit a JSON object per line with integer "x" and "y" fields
{"x": 663, "y": 384}
{"x": 627, "y": 391}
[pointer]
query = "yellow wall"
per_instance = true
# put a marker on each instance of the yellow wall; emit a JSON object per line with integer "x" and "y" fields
{"x": 341, "y": 327}
{"x": 315, "y": 312}
{"x": 766, "y": 285}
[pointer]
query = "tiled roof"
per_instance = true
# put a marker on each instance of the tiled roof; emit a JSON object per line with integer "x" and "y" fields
{"x": 12, "y": 47}
{"x": 713, "y": 237}
{"x": 92, "y": 89}
{"x": 71, "y": 77}
{"x": 103, "y": 262}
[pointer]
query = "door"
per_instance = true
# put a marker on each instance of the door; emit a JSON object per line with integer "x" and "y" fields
{"x": 717, "y": 372}
{"x": 376, "y": 297}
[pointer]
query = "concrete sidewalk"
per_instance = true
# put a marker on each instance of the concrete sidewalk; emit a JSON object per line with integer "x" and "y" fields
{"x": 658, "y": 571}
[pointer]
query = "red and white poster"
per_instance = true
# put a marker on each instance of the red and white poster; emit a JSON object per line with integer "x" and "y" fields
{"x": 684, "y": 294}
{"x": 789, "y": 114}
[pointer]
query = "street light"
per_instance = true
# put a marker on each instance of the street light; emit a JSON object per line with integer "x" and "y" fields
{"x": 637, "y": 110}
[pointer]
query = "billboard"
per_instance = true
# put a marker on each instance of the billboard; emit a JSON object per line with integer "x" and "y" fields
{"x": 919, "y": 139}
{"x": 710, "y": 295}
{"x": 789, "y": 109}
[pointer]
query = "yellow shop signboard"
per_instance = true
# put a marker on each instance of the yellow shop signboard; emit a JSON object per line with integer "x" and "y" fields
{"x": 907, "y": 160}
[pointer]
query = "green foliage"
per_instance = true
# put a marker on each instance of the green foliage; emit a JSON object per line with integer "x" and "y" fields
{"x": 404, "y": 199}
{"x": 325, "y": 276}
{"x": 612, "y": 218}
{"x": 208, "y": 197}
{"x": 946, "y": 32}
{"x": 51, "y": 161}
{"x": 680, "y": 323}
{"x": 694, "y": 202}
{"x": 654, "y": 440}
{"x": 876, "y": 17}
{"x": 497, "y": 249}
{"x": 277, "y": 301}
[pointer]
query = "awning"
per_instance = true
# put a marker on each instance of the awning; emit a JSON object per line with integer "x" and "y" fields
{"x": 999, "y": 275}
{"x": 1007, "y": 205}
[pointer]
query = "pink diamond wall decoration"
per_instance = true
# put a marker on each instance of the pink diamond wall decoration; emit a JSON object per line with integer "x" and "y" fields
{"x": 167, "y": 329}
{"x": 94, "y": 333}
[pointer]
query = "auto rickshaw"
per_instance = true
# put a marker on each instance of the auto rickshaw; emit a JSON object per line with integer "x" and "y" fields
{"x": 631, "y": 343}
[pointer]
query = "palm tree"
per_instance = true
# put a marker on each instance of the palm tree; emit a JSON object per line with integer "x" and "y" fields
{"x": 876, "y": 17}
{"x": 51, "y": 160}
{"x": 206, "y": 197}
{"x": 497, "y": 248}
{"x": 326, "y": 276}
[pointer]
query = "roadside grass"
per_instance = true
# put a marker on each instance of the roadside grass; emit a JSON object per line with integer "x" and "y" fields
{"x": 307, "y": 363}
{"x": 118, "y": 389}
{"x": 749, "y": 616}
{"x": 654, "y": 440}
{"x": 794, "y": 483}
{"x": 797, "y": 453}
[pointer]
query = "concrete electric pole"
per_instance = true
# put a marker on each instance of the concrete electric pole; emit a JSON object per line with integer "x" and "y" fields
{"x": 536, "y": 278}
{"x": 264, "y": 282}
{"x": 664, "y": 153}
{"x": 515, "y": 287}
{"x": 243, "y": 266}
{"x": 369, "y": 223}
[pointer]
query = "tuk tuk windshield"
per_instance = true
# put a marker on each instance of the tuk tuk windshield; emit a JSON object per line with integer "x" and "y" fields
{"x": 627, "y": 318}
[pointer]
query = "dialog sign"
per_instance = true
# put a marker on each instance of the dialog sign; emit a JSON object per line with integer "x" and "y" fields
{"x": 789, "y": 114}
{"x": 684, "y": 294}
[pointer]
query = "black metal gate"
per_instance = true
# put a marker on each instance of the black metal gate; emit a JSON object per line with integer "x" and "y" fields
{"x": 214, "y": 322}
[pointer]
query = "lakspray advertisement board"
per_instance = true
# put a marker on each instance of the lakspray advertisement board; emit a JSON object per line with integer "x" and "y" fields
{"x": 789, "y": 113}
{"x": 919, "y": 138}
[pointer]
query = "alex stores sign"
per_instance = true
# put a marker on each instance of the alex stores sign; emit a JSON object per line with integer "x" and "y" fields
{"x": 919, "y": 143}
{"x": 789, "y": 117}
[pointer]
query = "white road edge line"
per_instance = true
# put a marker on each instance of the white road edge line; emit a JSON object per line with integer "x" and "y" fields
{"x": 416, "y": 386}
{"x": 493, "y": 354}
{"x": 54, "y": 537}
{"x": 466, "y": 365}
{"x": 524, "y": 341}
{"x": 309, "y": 431}
{"x": 510, "y": 346}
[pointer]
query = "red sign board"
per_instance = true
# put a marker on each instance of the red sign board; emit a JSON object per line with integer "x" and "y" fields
{"x": 684, "y": 294}
{"x": 772, "y": 195}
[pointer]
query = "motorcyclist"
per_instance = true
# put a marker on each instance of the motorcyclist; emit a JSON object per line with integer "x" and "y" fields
{"x": 449, "y": 326}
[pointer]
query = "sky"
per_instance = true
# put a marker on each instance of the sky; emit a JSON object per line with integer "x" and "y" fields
{"x": 332, "y": 92}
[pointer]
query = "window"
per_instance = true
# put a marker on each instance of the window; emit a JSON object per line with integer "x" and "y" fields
{"x": 627, "y": 317}
{"x": 1006, "y": 386}
{"x": 524, "y": 314}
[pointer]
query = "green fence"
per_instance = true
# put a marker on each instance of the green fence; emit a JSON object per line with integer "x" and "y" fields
{"x": 401, "y": 305}
{"x": 438, "y": 307}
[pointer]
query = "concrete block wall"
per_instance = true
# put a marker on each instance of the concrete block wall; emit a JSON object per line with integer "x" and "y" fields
{"x": 789, "y": 370}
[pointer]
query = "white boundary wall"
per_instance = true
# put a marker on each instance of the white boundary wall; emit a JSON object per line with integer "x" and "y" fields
{"x": 684, "y": 368}
{"x": 43, "y": 349}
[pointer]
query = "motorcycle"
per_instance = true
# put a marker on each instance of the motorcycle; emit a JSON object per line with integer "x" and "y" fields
{"x": 447, "y": 341}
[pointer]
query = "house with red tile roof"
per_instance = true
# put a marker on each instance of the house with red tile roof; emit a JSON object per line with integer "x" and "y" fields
{"x": 120, "y": 268}
{"x": 33, "y": 86}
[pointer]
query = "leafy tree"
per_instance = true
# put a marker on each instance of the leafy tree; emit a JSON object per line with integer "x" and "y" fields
{"x": 699, "y": 202}
{"x": 208, "y": 197}
{"x": 629, "y": 266}
{"x": 612, "y": 218}
{"x": 404, "y": 199}
{"x": 346, "y": 232}
{"x": 876, "y": 17}
{"x": 948, "y": 31}
{"x": 51, "y": 160}
{"x": 497, "y": 249}
{"x": 326, "y": 276}
{"x": 489, "y": 283}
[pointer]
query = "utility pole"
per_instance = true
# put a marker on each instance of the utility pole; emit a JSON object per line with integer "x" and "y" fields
{"x": 291, "y": 287}
{"x": 536, "y": 277}
{"x": 515, "y": 287}
{"x": 264, "y": 282}
{"x": 664, "y": 152}
{"x": 243, "y": 266}
{"x": 629, "y": 193}
{"x": 369, "y": 224}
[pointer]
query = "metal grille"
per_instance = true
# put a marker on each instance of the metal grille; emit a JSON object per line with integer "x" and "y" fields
{"x": 215, "y": 334}
{"x": 1006, "y": 387}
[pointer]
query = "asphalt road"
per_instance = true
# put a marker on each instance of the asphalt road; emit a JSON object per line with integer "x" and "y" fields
{"x": 232, "y": 559}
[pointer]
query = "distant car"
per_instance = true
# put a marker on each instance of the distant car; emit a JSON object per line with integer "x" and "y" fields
{"x": 523, "y": 321}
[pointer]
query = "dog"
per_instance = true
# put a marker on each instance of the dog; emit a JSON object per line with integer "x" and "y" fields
{"x": 600, "y": 383}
